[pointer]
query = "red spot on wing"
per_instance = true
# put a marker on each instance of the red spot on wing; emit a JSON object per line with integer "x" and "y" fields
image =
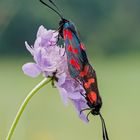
{"x": 84, "y": 72}
{"x": 86, "y": 68}
{"x": 67, "y": 34}
{"x": 89, "y": 82}
{"x": 70, "y": 48}
{"x": 92, "y": 96}
{"x": 75, "y": 63}
{"x": 64, "y": 34}
{"x": 82, "y": 46}
{"x": 75, "y": 51}
{"x": 86, "y": 85}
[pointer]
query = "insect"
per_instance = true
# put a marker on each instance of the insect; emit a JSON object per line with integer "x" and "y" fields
{"x": 79, "y": 66}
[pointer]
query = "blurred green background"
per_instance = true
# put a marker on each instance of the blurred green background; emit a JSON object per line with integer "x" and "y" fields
{"x": 111, "y": 33}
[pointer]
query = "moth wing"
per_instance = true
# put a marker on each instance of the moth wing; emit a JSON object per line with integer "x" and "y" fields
{"x": 76, "y": 54}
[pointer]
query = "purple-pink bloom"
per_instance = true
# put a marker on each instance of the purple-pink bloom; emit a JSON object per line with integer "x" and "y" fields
{"x": 50, "y": 59}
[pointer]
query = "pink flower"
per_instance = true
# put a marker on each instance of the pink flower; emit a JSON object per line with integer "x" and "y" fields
{"x": 51, "y": 59}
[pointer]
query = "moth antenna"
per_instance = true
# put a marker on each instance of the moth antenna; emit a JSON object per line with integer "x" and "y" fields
{"x": 54, "y": 5}
{"x": 56, "y": 11}
{"x": 104, "y": 130}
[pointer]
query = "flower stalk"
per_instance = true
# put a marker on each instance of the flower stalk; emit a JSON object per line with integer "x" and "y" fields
{"x": 24, "y": 104}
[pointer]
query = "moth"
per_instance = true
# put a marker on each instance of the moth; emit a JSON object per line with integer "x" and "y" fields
{"x": 78, "y": 65}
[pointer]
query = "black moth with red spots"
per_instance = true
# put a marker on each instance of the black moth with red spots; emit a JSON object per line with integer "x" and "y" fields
{"x": 79, "y": 66}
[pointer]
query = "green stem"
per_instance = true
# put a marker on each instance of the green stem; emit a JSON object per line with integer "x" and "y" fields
{"x": 23, "y": 105}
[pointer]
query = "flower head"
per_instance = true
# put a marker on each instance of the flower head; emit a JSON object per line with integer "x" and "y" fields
{"x": 50, "y": 60}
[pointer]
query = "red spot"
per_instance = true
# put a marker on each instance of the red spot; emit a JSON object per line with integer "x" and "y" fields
{"x": 75, "y": 51}
{"x": 86, "y": 85}
{"x": 82, "y": 46}
{"x": 84, "y": 72}
{"x": 89, "y": 82}
{"x": 92, "y": 96}
{"x": 72, "y": 61}
{"x": 64, "y": 34}
{"x": 70, "y": 48}
{"x": 75, "y": 64}
{"x": 86, "y": 68}
{"x": 67, "y": 34}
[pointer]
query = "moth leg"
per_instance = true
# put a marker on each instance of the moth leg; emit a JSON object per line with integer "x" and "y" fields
{"x": 84, "y": 110}
{"x": 88, "y": 115}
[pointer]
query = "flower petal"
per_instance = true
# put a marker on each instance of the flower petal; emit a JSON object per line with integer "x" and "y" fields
{"x": 79, "y": 105}
{"x": 41, "y": 31}
{"x": 37, "y": 43}
{"x": 63, "y": 95}
{"x": 31, "y": 69}
{"x": 75, "y": 95}
{"x": 38, "y": 56}
{"x": 30, "y": 49}
{"x": 61, "y": 79}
